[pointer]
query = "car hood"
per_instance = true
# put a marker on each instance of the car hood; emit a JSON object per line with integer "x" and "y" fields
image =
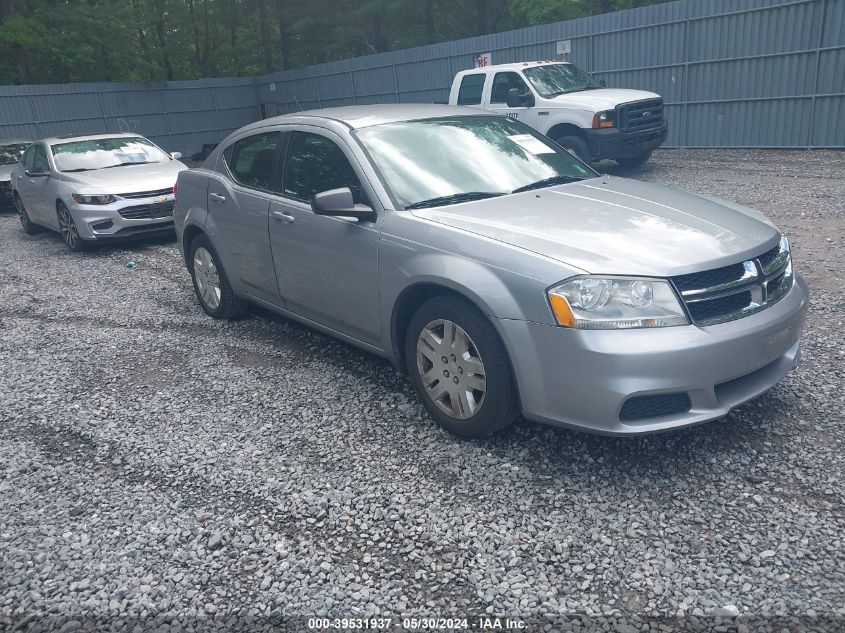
{"x": 604, "y": 98}
{"x": 129, "y": 179}
{"x": 6, "y": 172}
{"x": 617, "y": 226}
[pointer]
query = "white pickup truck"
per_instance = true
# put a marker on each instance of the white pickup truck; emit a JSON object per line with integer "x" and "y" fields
{"x": 566, "y": 104}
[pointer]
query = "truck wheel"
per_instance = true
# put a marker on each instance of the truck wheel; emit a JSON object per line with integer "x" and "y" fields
{"x": 459, "y": 368}
{"x": 634, "y": 161}
{"x": 577, "y": 146}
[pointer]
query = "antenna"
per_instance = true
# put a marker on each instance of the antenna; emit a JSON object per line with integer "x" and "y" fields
{"x": 297, "y": 103}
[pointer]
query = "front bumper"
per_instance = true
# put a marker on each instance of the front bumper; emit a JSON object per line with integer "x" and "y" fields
{"x": 615, "y": 143}
{"x": 147, "y": 217}
{"x": 582, "y": 378}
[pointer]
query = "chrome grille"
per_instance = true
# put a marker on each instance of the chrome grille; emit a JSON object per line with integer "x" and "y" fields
{"x": 149, "y": 211}
{"x": 640, "y": 115}
{"x": 731, "y": 292}
{"x": 148, "y": 194}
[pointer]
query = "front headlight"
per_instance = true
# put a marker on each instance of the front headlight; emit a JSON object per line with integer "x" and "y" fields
{"x": 604, "y": 119}
{"x": 86, "y": 199}
{"x": 611, "y": 303}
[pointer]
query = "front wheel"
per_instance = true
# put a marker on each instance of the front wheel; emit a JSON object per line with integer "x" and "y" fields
{"x": 634, "y": 161}
{"x": 459, "y": 368}
{"x": 28, "y": 226}
{"x": 211, "y": 283}
{"x": 70, "y": 234}
{"x": 576, "y": 146}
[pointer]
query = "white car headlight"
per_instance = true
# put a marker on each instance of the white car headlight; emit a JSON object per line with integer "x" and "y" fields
{"x": 87, "y": 199}
{"x": 611, "y": 303}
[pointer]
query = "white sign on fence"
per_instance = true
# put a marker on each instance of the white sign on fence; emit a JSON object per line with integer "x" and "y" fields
{"x": 564, "y": 47}
{"x": 483, "y": 59}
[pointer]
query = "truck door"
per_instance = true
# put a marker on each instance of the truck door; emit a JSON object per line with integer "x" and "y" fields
{"x": 498, "y": 96}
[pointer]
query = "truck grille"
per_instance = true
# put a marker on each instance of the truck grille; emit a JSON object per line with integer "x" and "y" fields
{"x": 149, "y": 211}
{"x": 640, "y": 115}
{"x": 731, "y": 292}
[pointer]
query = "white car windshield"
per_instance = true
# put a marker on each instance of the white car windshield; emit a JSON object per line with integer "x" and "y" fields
{"x": 558, "y": 79}
{"x": 11, "y": 153}
{"x": 102, "y": 153}
{"x": 434, "y": 162}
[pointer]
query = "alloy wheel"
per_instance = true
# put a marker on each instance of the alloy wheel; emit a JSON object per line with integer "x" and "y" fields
{"x": 22, "y": 215}
{"x": 207, "y": 278}
{"x": 68, "y": 228}
{"x": 451, "y": 369}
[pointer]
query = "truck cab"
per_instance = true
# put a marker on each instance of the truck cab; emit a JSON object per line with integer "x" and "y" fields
{"x": 566, "y": 104}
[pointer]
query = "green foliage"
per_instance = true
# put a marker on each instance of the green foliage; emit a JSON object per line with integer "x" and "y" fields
{"x": 49, "y": 41}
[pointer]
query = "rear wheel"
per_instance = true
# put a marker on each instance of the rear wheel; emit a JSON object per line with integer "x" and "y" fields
{"x": 577, "y": 146}
{"x": 211, "y": 283}
{"x": 26, "y": 224}
{"x": 459, "y": 367}
{"x": 70, "y": 234}
{"x": 634, "y": 161}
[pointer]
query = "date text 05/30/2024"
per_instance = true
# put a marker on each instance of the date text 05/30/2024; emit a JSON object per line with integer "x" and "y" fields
{"x": 484, "y": 623}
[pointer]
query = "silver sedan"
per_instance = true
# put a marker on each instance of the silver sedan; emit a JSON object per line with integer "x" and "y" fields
{"x": 96, "y": 188}
{"x": 502, "y": 274}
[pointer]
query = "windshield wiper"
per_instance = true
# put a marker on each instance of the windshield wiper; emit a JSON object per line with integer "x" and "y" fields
{"x": 455, "y": 198}
{"x": 547, "y": 182}
{"x": 142, "y": 162}
{"x": 67, "y": 171}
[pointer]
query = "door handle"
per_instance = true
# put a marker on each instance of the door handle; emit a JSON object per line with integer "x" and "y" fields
{"x": 217, "y": 197}
{"x": 281, "y": 216}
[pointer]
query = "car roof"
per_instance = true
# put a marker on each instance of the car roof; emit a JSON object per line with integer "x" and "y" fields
{"x": 513, "y": 66}
{"x": 87, "y": 137}
{"x": 368, "y": 115}
{"x": 14, "y": 141}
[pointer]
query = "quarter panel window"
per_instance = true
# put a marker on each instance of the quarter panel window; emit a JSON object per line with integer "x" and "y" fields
{"x": 315, "y": 163}
{"x": 471, "y": 88}
{"x": 503, "y": 82}
{"x": 251, "y": 160}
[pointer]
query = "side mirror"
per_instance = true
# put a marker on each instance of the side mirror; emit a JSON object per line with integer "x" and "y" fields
{"x": 175, "y": 155}
{"x": 602, "y": 83}
{"x": 340, "y": 203}
{"x": 517, "y": 99}
{"x": 36, "y": 174}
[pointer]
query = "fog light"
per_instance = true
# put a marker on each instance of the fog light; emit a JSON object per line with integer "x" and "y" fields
{"x": 102, "y": 226}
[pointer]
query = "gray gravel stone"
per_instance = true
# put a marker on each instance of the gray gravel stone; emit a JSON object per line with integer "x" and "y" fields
{"x": 156, "y": 461}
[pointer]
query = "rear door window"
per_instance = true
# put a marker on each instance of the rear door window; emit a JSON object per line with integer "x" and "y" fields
{"x": 252, "y": 160}
{"x": 471, "y": 88}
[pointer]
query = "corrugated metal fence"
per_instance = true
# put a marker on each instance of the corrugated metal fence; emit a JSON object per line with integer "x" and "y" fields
{"x": 178, "y": 115}
{"x": 733, "y": 73}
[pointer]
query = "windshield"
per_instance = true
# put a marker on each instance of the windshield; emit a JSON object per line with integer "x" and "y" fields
{"x": 442, "y": 161}
{"x": 100, "y": 153}
{"x": 557, "y": 79}
{"x": 11, "y": 153}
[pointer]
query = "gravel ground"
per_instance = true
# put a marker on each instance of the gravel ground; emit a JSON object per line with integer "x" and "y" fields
{"x": 156, "y": 463}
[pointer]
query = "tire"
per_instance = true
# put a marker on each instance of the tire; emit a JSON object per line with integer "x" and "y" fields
{"x": 576, "y": 145}
{"x": 634, "y": 161}
{"x": 28, "y": 226}
{"x": 67, "y": 227}
{"x": 482, "y": 363}
{"x": 211, "y": 284}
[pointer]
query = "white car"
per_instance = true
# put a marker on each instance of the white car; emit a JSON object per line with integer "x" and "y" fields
{"x": 11, "y": 151}
{"x": 566, "y": 104}
{"x": 96, "y": 188}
